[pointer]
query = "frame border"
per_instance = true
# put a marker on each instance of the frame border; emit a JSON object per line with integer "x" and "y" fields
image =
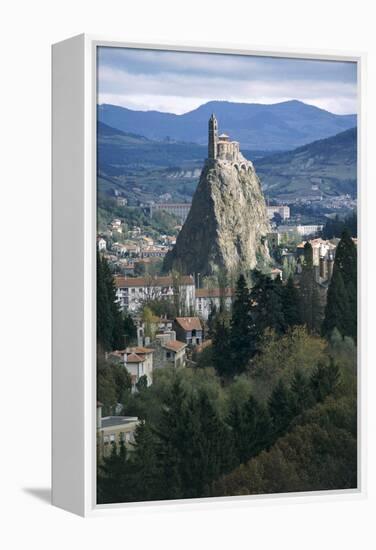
{"x": 88, "y": 463}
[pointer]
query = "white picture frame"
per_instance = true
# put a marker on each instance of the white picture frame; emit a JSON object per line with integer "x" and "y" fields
{"x": 73, "y": 287}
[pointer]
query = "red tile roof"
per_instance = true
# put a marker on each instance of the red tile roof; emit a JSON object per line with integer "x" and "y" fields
{"x": 126, "y": 282}
{"x": 134, "y": 358}
{"x": 189, "y": 323}
{"x": 174, "y": 345}
{"x": 139, "y": 350}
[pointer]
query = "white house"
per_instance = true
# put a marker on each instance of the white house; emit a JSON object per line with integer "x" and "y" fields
{"x": 208, "y": 299}
{"x": 138, "y": 361}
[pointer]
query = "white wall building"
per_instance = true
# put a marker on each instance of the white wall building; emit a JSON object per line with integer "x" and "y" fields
{"x": 209, "y": 298}
{"x": 138, "y": 361}
{"x": 101, "y": 243}
{"x": 282, "y": 210}
{"x": 131, "y": 293}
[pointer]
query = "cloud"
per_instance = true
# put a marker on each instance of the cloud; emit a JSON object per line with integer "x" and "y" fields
{"x": 179, "y": 81}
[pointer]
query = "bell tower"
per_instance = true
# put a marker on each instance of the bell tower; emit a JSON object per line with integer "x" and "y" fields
{"x": 213, "y": 137}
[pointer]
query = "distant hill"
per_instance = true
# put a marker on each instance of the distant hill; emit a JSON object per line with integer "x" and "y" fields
{"x": 119, "y": 152}
{"x": 281, "y": 126}
{"x": 327, "y": 166}
{"x": 144, "y": 169}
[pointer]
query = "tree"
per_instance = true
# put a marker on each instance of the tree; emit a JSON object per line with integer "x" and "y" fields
{"x": 241, "y": 329}
{"x": 113, "y": 384}
{"x": 146, "y": 472}
{"x": 222, "y": 358}
{"x": 113, "y": 480}
{"x": 279, "y": 356}
{"x": 142, "y": 383}
{"x": 110, "y": 325}
{"x": 337, "y": 310}
{"x": 301, "y": 392}
{"x": 130, "y": 331}
{"x": 280, "y": 408}
{"x": 324, "y": 380}
{"x": 266, "y": 308}
{"x": 251, "y": 429}
{"x": 291, "y": 304}
{"x": 309, "y": 298}
{"x": 341, "y": 306}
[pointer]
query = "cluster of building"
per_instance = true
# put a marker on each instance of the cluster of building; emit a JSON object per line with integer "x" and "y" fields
{"x": 137, "y": 249}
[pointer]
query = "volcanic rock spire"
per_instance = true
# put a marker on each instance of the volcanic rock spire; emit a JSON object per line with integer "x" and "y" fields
{"x": 226, "y": 228}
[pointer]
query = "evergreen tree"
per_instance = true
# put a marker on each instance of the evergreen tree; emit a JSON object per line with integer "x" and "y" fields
{"x": 130, "y": 331}
{"x": 242, "y": 328}
{"x": 207, "y": 452}
{"x": 110, "y": 324}
{"x": 172, "y": 440}
{"x": 337, "y": 310}
{"x": 104, "y": 320}
{"x": 146, "y": 478}
{"x": 309, "y": 297}
{"x": 267, "y": 309}
{"x": 222, "y": 358}
{"x": 341, "y": 306}
{"x": 301, "y": 392}
{"x": 251, "y": 428}
{"x": 114, "y": 477}
{"x": 280, "y": 408}
{"x": 324, "y": 380}
{"x": 291, "y": 304}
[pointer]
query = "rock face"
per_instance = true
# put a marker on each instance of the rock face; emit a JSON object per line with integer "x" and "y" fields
{"x": 227, "y": 224}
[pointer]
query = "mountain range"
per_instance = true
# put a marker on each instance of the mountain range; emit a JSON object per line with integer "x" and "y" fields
{"x": 327, "y": 167}
{"x": 279, "y": 126}
{"x": 144, "y": 169}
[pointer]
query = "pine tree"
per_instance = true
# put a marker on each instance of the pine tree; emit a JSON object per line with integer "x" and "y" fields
{"x": 242, "y": 329}
{"x": 291, "y": 304}
{"x": 114, "y": 477}
{"x": 172, "y": 441}
{"x": 309, "y": 297}
{"x": 280, "y": 408}
{"x": 337, "y": 310}
{"x": 341, "y": 306}
{"x": 207, "y": 453}
{"x": 110, "y": 324}
{"x": 301, "y": 392}
{"x": 324, "y": 380}
{"x": 104, "y": 321}
{"x": 267, "y": 310}
{"x": 146, "y": 478}
{"x": 222, "y": 359}
{"x": 251, "y": 428}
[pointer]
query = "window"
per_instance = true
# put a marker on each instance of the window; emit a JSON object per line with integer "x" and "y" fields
{"x": 168, "y": 354}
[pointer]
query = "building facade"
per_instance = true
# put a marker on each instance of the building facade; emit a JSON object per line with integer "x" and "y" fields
{"x": 209, "y": 299}
{"x": 282, "y": 210}
{"x": 189, "y": 330}
{"x": 220, "y": 146}
{"x": 131, "y": 293}
{"x": 138, "y": 361}
{"x": 112, "y": 430}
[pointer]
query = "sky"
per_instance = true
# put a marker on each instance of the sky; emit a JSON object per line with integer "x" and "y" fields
{"x": 178, "y": 82}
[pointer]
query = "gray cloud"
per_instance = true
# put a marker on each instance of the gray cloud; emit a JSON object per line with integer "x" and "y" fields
{"x": 181, "y": 81}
